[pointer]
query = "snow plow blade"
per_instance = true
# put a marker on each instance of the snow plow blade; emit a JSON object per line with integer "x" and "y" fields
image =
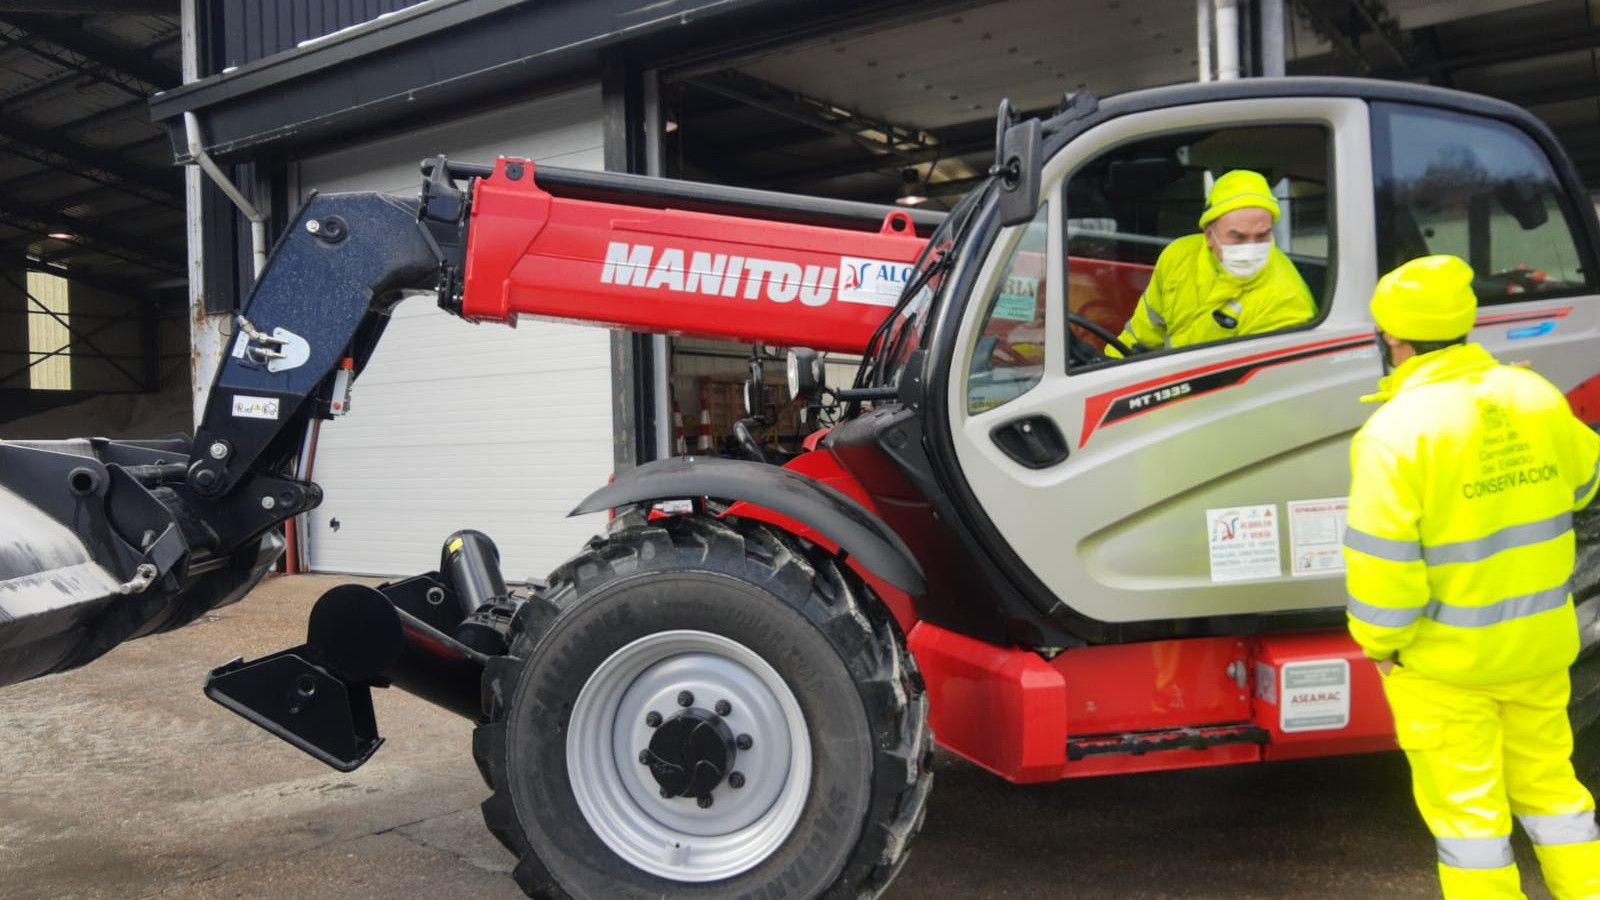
{"x": 100, "y": 543}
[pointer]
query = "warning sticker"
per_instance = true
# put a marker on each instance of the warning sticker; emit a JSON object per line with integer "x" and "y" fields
{"x": 1316, "y": 536}
{"x": 1244, "y": 542}
{"x": 255, "y": 407}
{"x": 1316, "y": 695}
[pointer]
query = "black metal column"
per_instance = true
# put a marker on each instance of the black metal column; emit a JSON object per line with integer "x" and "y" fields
{"x": 633, "y": 406}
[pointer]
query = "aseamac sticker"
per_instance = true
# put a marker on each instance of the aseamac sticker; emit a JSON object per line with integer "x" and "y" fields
{"x": 1316, "y": 695}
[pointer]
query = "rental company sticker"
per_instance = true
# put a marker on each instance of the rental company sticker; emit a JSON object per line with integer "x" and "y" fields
{"x": 1316, "y": 696}
{"x": 1316, "y": 536}
{"x": 255, "y": 407}
{"x": 1244, "y": 542}
{"x": 1018, "y": 300}
{"x": 875, "y": 282}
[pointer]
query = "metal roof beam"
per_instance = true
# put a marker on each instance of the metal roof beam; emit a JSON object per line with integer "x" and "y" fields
{"x": 875, "y": 135}
{"x": 157, "y": 185}
{"x": 72, "y": 37}
{"x": 103, "y": 238}
{"x": 118, "y": 286}
{"x": 1322, "y": 16}
{"x": 109, "y": 7}
{"x": 1382, "y": 24}
{"x": 1540, "y": 47}
{"x": 21, "y": 39}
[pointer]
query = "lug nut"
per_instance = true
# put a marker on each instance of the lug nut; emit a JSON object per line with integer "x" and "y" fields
{"x": 685, "y": 698}
{"x": 736, "y": 780}
{"x": 744, "y": 742}
{"x": 724, "y": 707}
{"x": 652, "y": 719}
{"x": 666, "y": 794}
{"x": 644, "y": 757}
{"x": 704, "y": 801}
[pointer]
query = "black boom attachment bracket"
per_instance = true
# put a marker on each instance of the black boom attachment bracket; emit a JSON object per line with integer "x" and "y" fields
{"x": 324, "y": 297}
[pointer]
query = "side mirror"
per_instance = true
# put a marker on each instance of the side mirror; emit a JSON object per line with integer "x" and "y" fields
{"x": 1523, "y": 202}
{"x": 755, "y": 401}
{"x": 1017, "y": 151}
{"x": 807, "y": 379}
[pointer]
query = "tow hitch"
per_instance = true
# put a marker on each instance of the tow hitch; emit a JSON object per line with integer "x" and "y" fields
{"x": 431, "y": 635}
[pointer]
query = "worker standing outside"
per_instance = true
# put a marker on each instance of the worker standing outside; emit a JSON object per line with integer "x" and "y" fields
{"x": 1228, "y": 280}
{"x": 1459, "y": 554}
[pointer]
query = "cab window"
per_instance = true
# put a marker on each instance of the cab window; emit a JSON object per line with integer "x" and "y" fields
{"x": 1478, "y": 189}
{"x": 1127, "y": 207}
{"x": 1008, "y": 358}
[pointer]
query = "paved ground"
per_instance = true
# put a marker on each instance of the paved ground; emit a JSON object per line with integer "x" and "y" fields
{"x": 122, "y": 781}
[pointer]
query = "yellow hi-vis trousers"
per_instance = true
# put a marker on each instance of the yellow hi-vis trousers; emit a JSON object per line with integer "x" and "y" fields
{"x": 1481, "y": 754}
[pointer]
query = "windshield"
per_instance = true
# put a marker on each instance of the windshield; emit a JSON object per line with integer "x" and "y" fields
{"x": 904, "y": 328}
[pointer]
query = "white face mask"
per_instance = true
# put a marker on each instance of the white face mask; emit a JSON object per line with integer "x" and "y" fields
{"x": 1245, "y": 260}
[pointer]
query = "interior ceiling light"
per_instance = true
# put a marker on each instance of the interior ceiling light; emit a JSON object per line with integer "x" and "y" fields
{"x": 670, "y": 126}
{"x": 912, "y": 190}
{"x": 62, "y": 235}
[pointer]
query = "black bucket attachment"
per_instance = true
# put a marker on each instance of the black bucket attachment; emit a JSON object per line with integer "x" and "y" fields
{"x": 430, "y": 635}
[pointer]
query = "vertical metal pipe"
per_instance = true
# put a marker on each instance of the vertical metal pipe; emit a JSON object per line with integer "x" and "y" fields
{"x": 1202, "y": 37}
{"x": 1273, "y": 48}
{"x": 661, "y": 346}
{"x": 208, "y": 334}
{"x": 1227, "y": 39}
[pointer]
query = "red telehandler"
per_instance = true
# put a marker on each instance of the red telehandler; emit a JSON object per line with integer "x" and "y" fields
{"x": 1061, "y": 562}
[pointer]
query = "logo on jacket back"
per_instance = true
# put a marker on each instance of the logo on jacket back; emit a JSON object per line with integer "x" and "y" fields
{"x": 874, "y": 282}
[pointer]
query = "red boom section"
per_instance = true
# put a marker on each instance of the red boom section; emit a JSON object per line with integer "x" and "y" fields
{"x": 671, "y": 271}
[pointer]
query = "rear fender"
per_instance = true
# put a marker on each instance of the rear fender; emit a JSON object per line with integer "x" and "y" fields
{"x": 809, "y": 504}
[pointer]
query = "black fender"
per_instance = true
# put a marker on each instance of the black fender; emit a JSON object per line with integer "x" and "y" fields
{"x": 830, "y": 512}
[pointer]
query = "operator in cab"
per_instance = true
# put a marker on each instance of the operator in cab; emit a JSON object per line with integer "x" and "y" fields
{"x": 1459, "y": 555}
{"x": 1226, "y": 281}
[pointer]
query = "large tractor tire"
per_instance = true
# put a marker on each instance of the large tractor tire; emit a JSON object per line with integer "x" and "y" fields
{"x": 704, "y": 708}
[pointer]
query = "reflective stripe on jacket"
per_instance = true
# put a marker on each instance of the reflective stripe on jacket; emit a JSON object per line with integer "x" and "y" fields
{"x": 1459, "y": 547}
{"x": 1188, "y": 287}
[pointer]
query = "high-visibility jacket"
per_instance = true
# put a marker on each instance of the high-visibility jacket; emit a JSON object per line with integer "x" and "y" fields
{"x": 1190, "y": 299}
{"x": 1459, "y": 547}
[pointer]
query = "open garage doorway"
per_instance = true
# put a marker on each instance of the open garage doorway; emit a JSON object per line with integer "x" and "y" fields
{"x": 898, "y": 113}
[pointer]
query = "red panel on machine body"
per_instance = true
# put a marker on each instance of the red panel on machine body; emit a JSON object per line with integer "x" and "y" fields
{"x": 677, "y": 272}
{"x": 1017, "y": 714}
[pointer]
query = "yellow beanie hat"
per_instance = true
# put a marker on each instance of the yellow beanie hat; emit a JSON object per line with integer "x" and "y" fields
{"x": 1426, "y": 299}
{"x": 1238, "y": 189}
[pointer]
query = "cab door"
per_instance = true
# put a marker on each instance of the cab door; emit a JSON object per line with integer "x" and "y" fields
{"x": 1209, "y": 480}
{"x": 1179, "y": 467}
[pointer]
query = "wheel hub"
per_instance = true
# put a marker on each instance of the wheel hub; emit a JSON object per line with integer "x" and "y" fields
{"x": 690, "y": 753}
{"x": 651, "y": 747}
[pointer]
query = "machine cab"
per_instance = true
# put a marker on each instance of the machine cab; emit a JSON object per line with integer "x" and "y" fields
{"x": 1205, "y": 480}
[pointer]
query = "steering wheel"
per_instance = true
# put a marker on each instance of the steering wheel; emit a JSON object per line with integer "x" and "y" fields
{"x": 1099, "y": 331}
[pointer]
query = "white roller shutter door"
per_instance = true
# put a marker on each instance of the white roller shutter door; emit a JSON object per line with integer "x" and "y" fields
{"x": 455, "y": 425}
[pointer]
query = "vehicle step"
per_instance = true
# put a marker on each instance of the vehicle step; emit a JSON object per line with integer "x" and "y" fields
{"x": 1138, "y": 743}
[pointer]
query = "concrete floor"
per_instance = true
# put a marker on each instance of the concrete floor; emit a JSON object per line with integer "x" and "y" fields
{"x": 122, "y": 781}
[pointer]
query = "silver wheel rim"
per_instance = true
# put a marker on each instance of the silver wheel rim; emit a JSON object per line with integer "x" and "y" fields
{"x": 676, "y": 838}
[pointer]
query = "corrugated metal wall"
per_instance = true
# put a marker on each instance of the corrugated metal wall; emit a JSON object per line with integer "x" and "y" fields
{"x": 253, "y": 29}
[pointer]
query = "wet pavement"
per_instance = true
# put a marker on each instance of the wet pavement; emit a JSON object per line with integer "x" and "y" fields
{"x": 121, "y": 780}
